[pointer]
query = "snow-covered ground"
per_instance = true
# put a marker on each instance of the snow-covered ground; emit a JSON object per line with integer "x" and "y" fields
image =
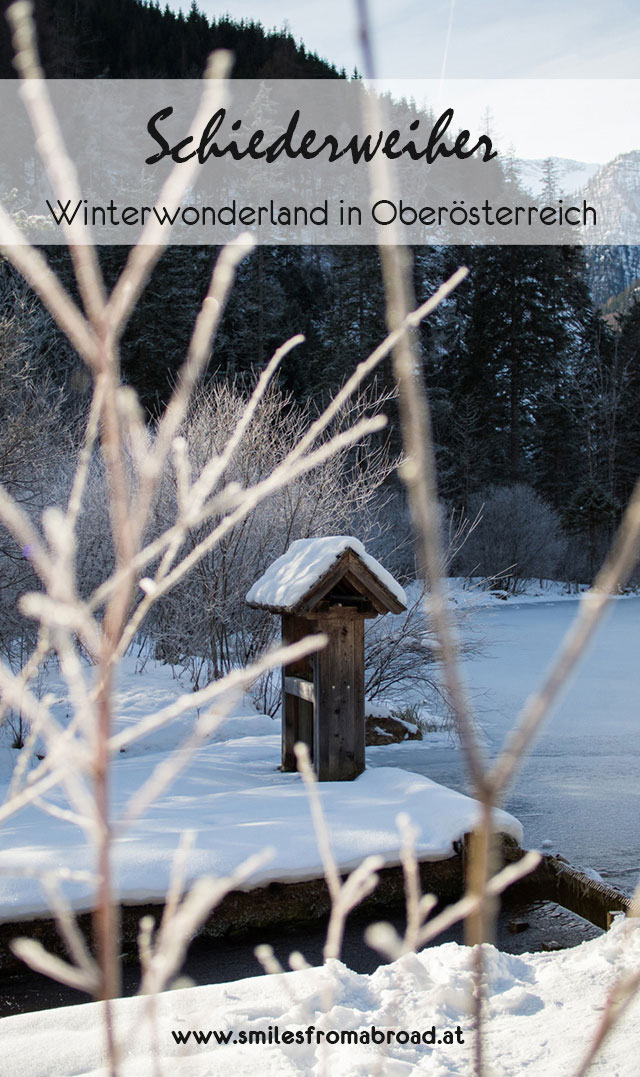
{"x": 543, "y": 1009}
{"x": 475, "y": 593}
{"x": 238, "y": 803}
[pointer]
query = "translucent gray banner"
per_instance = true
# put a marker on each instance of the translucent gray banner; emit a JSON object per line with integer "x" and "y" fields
{"x": 292, "y": 162}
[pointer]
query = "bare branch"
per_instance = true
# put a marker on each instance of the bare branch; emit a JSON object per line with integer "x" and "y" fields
{"x": 40, "y": 960}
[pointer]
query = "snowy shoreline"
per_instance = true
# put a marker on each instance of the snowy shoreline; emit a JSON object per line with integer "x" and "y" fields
{"x": 541, "y": 1008}
{"x": 239, "y": 803}
{"x": 542, "y": 1011}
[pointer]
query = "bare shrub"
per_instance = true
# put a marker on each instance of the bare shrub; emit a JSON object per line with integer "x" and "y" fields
{"x": 36, "y": 436}
{"x": 403, "y": 659}
{"x": 518, "y": 536}
{"x": 204, "y": 623}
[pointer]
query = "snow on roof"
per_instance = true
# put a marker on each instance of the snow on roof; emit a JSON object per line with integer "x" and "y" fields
{"x": 306, "y": 561}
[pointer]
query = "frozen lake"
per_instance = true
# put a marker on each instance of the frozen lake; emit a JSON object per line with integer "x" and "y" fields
{"x": 580, "y": 786}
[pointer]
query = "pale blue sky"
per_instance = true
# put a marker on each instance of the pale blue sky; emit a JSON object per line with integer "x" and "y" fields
{"x": 489, "y": 39}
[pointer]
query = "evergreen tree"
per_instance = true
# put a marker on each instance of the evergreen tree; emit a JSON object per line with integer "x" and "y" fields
{"x": 527, "y": 384}
{"x": 526, "y": 318}
{"x": 629, "y": 360}
{"x": 133, "y": 39}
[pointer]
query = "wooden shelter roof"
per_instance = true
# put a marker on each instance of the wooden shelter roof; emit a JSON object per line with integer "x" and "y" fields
{"x": 336, "y": 571}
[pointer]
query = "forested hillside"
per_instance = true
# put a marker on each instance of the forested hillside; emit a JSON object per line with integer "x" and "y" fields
{"x": 529, "y": 384}
{"x": 612, "y": 269}
{"x": 129, "y": 39}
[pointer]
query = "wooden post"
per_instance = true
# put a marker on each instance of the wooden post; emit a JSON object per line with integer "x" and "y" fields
{"x": 338, "y": 727}
{"x": 297, "y": 712}
{"x": 323, "y": 694}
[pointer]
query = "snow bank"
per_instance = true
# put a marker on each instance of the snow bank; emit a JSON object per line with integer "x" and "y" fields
{"x": 463, "y": 592}
{"x": 143, "y": 687}
{"x": 543, "y": 1010}
{"x": 140, "y": 692}
{"x": 233, "y": 796}
{"x": 238, "y": 802}
{"x": 306, "y": 561}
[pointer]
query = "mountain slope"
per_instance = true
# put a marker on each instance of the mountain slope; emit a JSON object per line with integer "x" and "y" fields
{"x": 569, "y": 175}
{"x": 612, "y": 269}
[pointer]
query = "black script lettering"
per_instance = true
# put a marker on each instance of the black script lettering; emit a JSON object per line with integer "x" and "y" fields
{"x": 166, "y": 149}
{"x": 207, "y": 147}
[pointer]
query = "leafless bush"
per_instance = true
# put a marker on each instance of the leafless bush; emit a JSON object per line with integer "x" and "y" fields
{"x": 402, "y": 652}
{"x": 403, "y": 659}
{"x": 204, "y": 622}
{"x": 518, "y": 536}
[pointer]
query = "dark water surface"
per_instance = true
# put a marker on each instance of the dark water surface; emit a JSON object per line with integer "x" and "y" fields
{"x": 521, "y": 929}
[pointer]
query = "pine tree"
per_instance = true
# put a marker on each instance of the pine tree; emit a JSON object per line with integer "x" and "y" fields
{"x": 629, "y": 359}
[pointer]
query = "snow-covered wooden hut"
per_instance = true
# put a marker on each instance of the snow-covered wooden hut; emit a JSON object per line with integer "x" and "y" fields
{"x": 328, "y": 585}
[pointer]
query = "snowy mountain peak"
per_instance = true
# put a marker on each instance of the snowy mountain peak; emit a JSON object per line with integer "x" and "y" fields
{"x": 569, "y": 175}
{"x": 616, "y": 185}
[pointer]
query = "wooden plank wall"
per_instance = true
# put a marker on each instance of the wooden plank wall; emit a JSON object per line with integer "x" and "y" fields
{"x": 339, "y": 690}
